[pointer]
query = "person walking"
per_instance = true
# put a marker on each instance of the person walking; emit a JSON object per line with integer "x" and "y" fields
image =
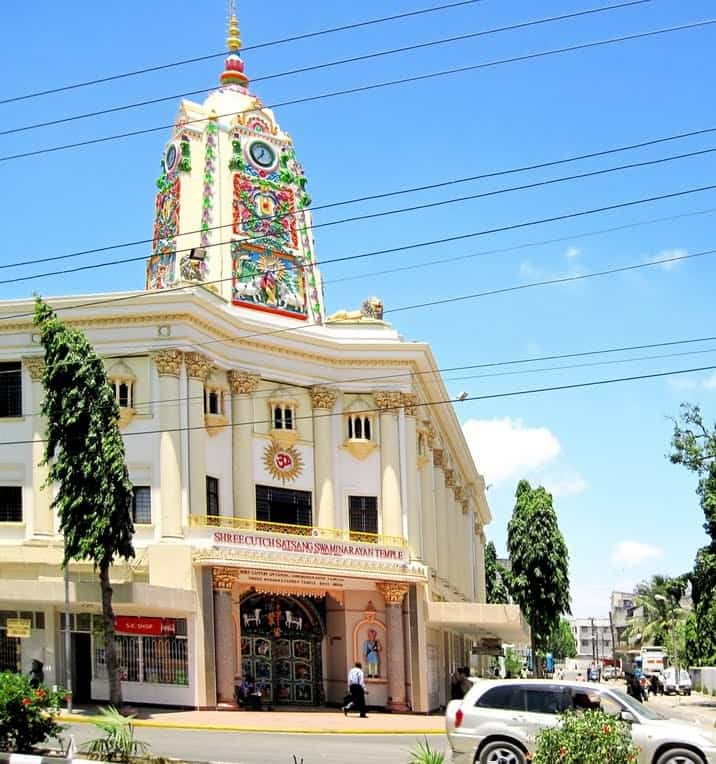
{"x": 356, "y": 688}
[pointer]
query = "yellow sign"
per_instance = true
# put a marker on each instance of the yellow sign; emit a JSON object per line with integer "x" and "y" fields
{"x": 19, "y": 627}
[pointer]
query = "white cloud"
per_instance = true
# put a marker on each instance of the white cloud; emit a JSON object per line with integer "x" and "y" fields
{"x": 506, "y": 448}
{"x": 691, "y": 383}
{"x": 529, "y": 270}
{"x": 709, "y": 383}
{"x": 633, "y": 553}
{"x": 667, "y": 254}
{"x": 564, "y": 484}
{"x": 572, "y": 252}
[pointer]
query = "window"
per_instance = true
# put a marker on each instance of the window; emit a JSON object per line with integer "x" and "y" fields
{"x": 359, "y": 427}
{"x": 589, "y": 700}
{"x": 362, "y": 514}
{"x": 10, "y": 389}
{"x": 282, "y": 505}
{"x": 142, "y": 504}
{"x": 212, "y": 496}
{"x": 546, "y": 700}
{"x": 10, "y": 504}
{"x": 283, "y": 418}
{"x": 125, "y": 395}
{"x": 213, "y": 400}
{"x": 507, "y": 697}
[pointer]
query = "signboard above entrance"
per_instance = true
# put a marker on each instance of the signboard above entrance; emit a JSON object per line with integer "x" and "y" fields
{"x": 137, "y": 624}
{"x": 19, "y": 627}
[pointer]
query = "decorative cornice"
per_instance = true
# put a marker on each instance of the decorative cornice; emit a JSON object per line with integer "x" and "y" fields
{"x": 323, "y": 398}
{"x": 36, "y": 366}
{"x": 450, "y": 478}
{"x": 430, "y": 433}
{"x": 393, "y": 593}
{"x": 459, "y": 493}
{"x": 388, "y": 400}
{"x": 410, "y": 403}
{"x": 223, "y": 578}
{"x": 198, "y": 366}
{"x": 465, "y": 506}
{"x": 438, "y": 457}
{"x": 242, "y": 382}
{"x": 168, "y": 362}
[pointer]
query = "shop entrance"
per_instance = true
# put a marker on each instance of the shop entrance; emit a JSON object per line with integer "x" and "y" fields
{"x": 81, "y": 667}
{"x": 281, "y": 647}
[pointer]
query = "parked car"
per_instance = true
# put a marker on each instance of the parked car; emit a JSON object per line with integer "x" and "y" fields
{"x": 609, "y": 672}
{"x": 497, "y": 722}
{"x": 671, "y": 683}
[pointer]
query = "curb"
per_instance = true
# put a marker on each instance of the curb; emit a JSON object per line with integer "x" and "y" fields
{"x": 76, "y": 719}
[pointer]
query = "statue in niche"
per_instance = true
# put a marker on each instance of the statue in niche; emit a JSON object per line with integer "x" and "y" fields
{"x": 371, "y": 651}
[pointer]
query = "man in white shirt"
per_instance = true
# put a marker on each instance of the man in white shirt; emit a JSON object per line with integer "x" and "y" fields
{"x": 356, "y": 687}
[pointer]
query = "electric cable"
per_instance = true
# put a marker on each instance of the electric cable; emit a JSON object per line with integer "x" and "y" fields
{"x": 328, "y": 65}
{"x": 372, "y": 86}
{"x": 270, "y": 43}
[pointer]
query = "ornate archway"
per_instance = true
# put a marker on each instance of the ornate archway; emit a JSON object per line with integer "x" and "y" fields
{"x": 281, "y": 639}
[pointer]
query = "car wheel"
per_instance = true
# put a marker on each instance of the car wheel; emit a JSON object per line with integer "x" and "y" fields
{"x": 502, "y": 752}
{"x": 679, "y": 756}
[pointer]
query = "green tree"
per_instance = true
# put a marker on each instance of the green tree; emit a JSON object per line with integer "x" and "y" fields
{"x": 85, "y": 455}
{"x": 494, "y": 577}
{"x": 561, "y": 641}
{"x": 539, "y": 579}
{"x": 693, "y": 445}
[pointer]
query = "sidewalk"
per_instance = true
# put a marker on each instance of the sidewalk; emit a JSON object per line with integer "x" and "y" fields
{"x": 697, "y": 707}
{"x": 295, "y": 721}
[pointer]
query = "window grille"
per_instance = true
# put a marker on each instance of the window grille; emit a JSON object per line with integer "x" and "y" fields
{"x": 282, "y": 505}
{"x": 363, "y": 514}
{"x": 10, "y": 389}
{"x": 142, "y": 504}
{"x": 9, "y": 652}
{"x": 212, "y": 496}
{"x": 10, "y": 504}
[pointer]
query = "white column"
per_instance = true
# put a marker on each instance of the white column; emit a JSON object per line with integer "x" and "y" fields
{"x": 323, "y": 401}
{"x": 168, "y": 363}
{"x": 224, "y": 647}
{"x": 42, "y": 520}
{"x": 480, "y": 562}
{"x": 441, "y": 508}
{"x": 393, "y": 594}
{"x": 415, "y": 540}
{"x": 243, "y": 386}
{"x": 451, "y": 525}
{"x": 391, "y": 506}
{"x": 198, "y": 367}
{"x": 428, "y": 511}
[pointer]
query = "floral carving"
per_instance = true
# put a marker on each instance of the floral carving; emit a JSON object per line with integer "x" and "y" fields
{"x": 223, "y": 578}
{"x": 388, "y": 400}
{"x": 323, "y": 398}
{"x": 168, "y": 362}
{"x": 243, "y": 383}
{"x": 393, "y": 592}
{"x": 450, "y": 478}
{"x": 198, "y": 366}
{"x": 36, "y": 366}
{"x": 438, "y": 457}
{"x": 465, "y": 506}
{"x": 410, "y": 403}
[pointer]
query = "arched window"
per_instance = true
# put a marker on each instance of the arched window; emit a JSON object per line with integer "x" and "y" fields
{"x": 122, "y": 379}
{"x": 214, "y": 407}
{"x": 359, "y": 429}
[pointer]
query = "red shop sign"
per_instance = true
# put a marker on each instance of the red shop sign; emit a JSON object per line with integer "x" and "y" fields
{"x": 138, "y": 624}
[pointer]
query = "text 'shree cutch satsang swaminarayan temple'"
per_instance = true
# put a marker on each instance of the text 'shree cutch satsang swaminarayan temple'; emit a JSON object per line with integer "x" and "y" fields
{"x": 303, "y": 494}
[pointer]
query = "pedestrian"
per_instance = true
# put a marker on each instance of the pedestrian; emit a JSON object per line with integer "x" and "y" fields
{"x": 456, "y": 692}
{"x": 465, "y": 683}
{"x": 37, "y": 675}
{"x": 634, "y": 686}
{"x": 356, "y": 688}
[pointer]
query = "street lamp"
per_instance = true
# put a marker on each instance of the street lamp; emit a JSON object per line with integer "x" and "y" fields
{"x": 661, "y": 598}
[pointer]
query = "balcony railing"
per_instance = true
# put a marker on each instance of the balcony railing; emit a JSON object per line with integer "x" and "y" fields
{"x": 261, "y": 526}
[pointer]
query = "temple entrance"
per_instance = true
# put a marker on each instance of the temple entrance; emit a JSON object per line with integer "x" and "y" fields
{"x": 281, "y": 647}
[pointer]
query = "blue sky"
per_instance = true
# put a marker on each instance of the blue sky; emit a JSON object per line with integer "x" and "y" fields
{"x": 625, "y": 511}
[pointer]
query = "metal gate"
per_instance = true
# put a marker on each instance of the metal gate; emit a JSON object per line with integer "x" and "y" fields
{"x": 9, "y": 652}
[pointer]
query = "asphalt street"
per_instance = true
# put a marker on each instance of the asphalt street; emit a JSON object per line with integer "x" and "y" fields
{"x": 271, "y": 748}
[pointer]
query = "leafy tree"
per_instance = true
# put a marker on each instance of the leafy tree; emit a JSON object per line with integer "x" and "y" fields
{"x": 494, "y": 577}
{"x": 561, "y": 641}
{"x": 85, "y": 455}
{"x": 539, "y": 579}
{"x": 513, "y": 664}
{"x": 693, "y": 445}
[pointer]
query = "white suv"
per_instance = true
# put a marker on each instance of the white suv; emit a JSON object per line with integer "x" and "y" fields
{"x": 497, "y": 722}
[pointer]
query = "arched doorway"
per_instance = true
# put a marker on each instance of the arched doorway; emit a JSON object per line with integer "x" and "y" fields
{"x": 281, "y": 646}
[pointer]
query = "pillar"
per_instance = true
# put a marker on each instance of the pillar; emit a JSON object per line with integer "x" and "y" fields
{"x": 391, "y": 504}
{"x": 393, "y": 594}
{"x": 480, "y": 581}
{"x": 42, "y": 520}
{"x": 168, "y": 363}
{"x": 243, "y": 386}
{"x": 450, "y": 525}
{"x": 224, "y": 647}
{"x": 441, "y": 515}
{"x": 323, "y": 401}
{"x": 428, "y": 510}
{"x": 198, "y": 367}
{"x": 415, "y": 540}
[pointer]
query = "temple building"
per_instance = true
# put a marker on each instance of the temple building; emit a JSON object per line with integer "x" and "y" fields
{"x": 304, "y": 496}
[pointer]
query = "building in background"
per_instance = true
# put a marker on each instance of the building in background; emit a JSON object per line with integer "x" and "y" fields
{"x": 303, "y": 493}
{"x": 593, "y": 637}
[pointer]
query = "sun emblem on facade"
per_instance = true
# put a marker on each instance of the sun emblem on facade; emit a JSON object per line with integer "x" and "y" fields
{"x": 282, "y": 463}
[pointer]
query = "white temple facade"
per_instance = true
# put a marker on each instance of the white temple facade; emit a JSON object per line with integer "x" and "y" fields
{"x": 303, "y": 493}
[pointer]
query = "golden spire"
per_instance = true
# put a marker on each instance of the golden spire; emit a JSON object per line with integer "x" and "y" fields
{"x": 233, "y": 41}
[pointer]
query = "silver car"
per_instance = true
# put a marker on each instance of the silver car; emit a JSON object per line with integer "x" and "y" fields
{"x": 497, "y": 722}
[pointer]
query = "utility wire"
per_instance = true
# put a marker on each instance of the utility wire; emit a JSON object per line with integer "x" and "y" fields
{"x": 390, "y": 250}
{"x": 372, "y": 86}
{"x": 386, "y": 213}
{"x": 196, "y": 59}
{"x": 383, "y": 195}
{"x": 330, "y": 64}
{"x": 428, "y": 404}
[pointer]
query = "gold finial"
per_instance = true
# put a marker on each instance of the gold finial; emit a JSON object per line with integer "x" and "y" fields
{"x": 233, "y": 41}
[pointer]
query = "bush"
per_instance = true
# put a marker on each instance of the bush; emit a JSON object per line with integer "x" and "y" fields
{"x": 118, "y": 744}
{"x": 26, "y": 713}
{"x": 424, "y": 754}
{"x": 591, "y": 737}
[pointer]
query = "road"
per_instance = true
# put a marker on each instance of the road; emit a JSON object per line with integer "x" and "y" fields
{"x": 271, "y": 748}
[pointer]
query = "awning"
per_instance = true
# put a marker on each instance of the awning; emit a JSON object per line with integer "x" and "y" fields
{"x": 486, "y": 622}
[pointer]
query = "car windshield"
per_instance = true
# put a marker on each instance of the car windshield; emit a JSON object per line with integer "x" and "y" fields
{"x": 635, "y": 705}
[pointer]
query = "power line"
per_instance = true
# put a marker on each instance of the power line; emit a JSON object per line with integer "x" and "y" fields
{"x": 331, "y": 64}
{"x": 197, "y": 59}
{"x": 373, "y": 86}
{"x": 489, "y": 396}
{"x": 390, "y": 250}
{"x": 384, "y": 195}
{"x": 385, "y": 213}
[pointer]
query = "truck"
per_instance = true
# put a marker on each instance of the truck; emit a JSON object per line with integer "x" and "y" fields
{"x": 653, "y": 660}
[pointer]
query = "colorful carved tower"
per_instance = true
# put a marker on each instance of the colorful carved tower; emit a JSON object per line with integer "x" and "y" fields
{"x": 232, "y": 208}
